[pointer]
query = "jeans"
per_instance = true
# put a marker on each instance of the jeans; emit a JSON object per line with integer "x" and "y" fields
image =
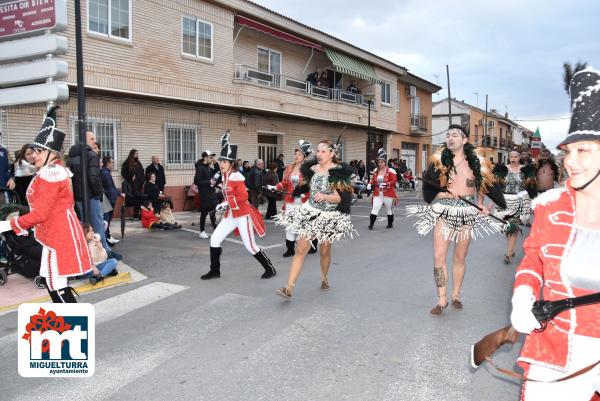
{"x": 96, "y": 220}
{"x": 108, "y": 218}
{"x": 105, "y": 267}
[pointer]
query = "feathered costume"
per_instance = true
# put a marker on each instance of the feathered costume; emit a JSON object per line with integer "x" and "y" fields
{"x": 518, "y": 188}
{"x": 323, "y": 221}
{"x": 460, "y": 220}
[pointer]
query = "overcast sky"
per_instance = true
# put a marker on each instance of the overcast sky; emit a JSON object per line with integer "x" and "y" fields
{"x": 511, "y": 50}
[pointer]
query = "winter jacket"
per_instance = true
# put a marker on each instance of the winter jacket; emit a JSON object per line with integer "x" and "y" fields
{"x": 95, "y": 189}
{"x": 135, "y": 176}
{"x": 109, "y": 185}
{"x": 159, "y": 172}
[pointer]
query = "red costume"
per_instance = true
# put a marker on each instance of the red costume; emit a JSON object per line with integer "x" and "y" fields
{"x": 287, "y": 186}
{"x": 541, "y": 266}
{"x": 148, "y": 218}
{"x": 390, "y": 179}
{"x": 50, "y": 198}
{"x": 236, "y": 195}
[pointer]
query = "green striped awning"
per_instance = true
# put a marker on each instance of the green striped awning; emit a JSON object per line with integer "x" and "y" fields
{"x": 352, "y": 66}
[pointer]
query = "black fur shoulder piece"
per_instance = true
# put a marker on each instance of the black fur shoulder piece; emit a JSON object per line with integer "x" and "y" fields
{"x": 433, "y": 176}
{"x": 500, "y": 170}
{"x": 341, "y": 172}
{"x": 528, "y": 170}
{"x": 306, "y": 169}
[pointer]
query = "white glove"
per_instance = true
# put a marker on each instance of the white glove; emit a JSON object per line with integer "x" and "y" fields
{"x": 522, "y": 317}
{"x": 271, "y": 187}
{"x": 368, "y": 186}
{"x": 222, "y": 206}
{"x": 5, "y": 226}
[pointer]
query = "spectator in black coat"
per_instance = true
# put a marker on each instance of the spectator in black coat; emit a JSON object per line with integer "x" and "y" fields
{"x": 158, "y": 171}
{"x": 111, "y": 192}
{"x": 132, "y": 172}
{"x": 153, "y": 193}
{"x": 95, "y": 189}
{"x": 24, "y": 171}
{"x": 280, "y": 167}
{"x": 254, "y": 182}
{"x": 206, "y": 179}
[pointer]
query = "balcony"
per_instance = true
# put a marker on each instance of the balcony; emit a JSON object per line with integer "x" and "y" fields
{"x": 418, "y": 123}
{"x": 247, "y": 74}
{"x": 502, "y": 142}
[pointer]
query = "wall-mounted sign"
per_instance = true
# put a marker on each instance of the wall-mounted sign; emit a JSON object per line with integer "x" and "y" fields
{"x": 29, "y": 17}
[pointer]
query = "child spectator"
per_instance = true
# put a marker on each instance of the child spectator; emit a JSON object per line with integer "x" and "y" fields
{"x": 102, "y": 265}
{"x": 150, "y": 220}
{"x": 166, "y": 215}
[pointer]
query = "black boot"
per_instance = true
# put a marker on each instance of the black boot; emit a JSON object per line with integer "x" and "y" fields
{"x": 215, "y": 264}
{"x": 54, "y": 297}
{"x": 266, "y": 263}
{"x": 372, "y": 219}
{"x": 290, "y": 248}
{"x": 313, "y": 248}
{"x": 390, "y": 221}
{"x": 63, "y": 296}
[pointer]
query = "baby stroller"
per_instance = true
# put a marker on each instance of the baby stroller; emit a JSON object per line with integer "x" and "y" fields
{"x": 23, "y": 253}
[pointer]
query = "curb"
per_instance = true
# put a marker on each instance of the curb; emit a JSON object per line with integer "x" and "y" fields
{"x": 83, "y": 287}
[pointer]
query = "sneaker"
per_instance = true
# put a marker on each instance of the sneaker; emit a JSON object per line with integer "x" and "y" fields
{"x": 203, "y": 234}
{"x": 3, "y": 260}
{"x": 114, "y": 255}
{"x": 112, "y": 240}
{"x": 113, "y": 273}
{"x": 96, "y": 279}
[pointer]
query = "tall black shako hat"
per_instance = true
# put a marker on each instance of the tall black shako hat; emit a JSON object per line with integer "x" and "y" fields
{"x": 381, "y": 155}
{"x": 585, "y": 107}
{"x": 228, "y": 151}
{"x": 49, "y": 137}
{"x": 305, "y": 147}
{"x": 455, "y": 128}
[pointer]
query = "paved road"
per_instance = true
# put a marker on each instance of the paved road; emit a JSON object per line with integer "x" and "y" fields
{"x": 370, "y": 337}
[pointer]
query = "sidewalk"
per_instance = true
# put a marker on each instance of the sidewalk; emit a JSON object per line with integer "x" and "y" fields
{"x": 19, "y": 289}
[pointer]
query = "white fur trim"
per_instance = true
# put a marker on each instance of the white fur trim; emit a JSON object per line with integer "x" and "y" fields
{"x": 236, "y": 176}
{"x": 551, "y": 195}
{"x": 54, "y": 173}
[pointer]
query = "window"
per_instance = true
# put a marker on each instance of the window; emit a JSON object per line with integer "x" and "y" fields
{"x": 196, "y": 37}
{"x": 181, "y": 144}
{"x": 398, "y": 100}
{"x": 269, "y": 61}
{"x": 110, "y": 17}
{"x": 106, "y": 135}
{"x": 3, "y": 124}
{"x": 415, "y": 105}
{"x": 386, "y": 88}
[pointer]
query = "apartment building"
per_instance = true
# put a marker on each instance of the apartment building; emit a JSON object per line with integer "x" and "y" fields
{"x": 412, "y": 142}
{"x": 168, "y": 77}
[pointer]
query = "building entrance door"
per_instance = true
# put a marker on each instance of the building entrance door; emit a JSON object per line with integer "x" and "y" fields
{"x": 267, "y": 148}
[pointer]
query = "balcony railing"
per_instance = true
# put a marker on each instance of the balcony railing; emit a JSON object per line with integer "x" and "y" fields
{"x": 495, "y": 142}
{"x": 283, "y": 82}
{"x": 418, "y": 122}
{"x": 502, "y": 142}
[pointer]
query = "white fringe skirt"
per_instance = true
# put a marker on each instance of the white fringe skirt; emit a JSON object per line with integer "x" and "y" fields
{"x": 518, "y": 207}
{"x": 460, "y": 220}
{"x": 311, "y": 223}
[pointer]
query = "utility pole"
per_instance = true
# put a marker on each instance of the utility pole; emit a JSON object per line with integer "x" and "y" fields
{"x": 81, "y": 115}
{"x": 449, "y": 97}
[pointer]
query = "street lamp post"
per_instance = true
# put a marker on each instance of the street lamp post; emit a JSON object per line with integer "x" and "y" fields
{"x": 369, "y": 98}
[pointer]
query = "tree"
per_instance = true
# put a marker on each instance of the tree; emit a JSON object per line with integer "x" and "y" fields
{"x": 569, "y": 71}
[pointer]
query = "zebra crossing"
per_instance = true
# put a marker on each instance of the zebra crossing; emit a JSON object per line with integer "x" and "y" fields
{"x": 240, "y": 347}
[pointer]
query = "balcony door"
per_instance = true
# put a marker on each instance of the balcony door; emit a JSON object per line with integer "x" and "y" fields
{"x": 269, "y": 61}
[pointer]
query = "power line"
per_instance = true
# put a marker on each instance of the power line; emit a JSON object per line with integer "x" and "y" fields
{"x": 544, "y": 119}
